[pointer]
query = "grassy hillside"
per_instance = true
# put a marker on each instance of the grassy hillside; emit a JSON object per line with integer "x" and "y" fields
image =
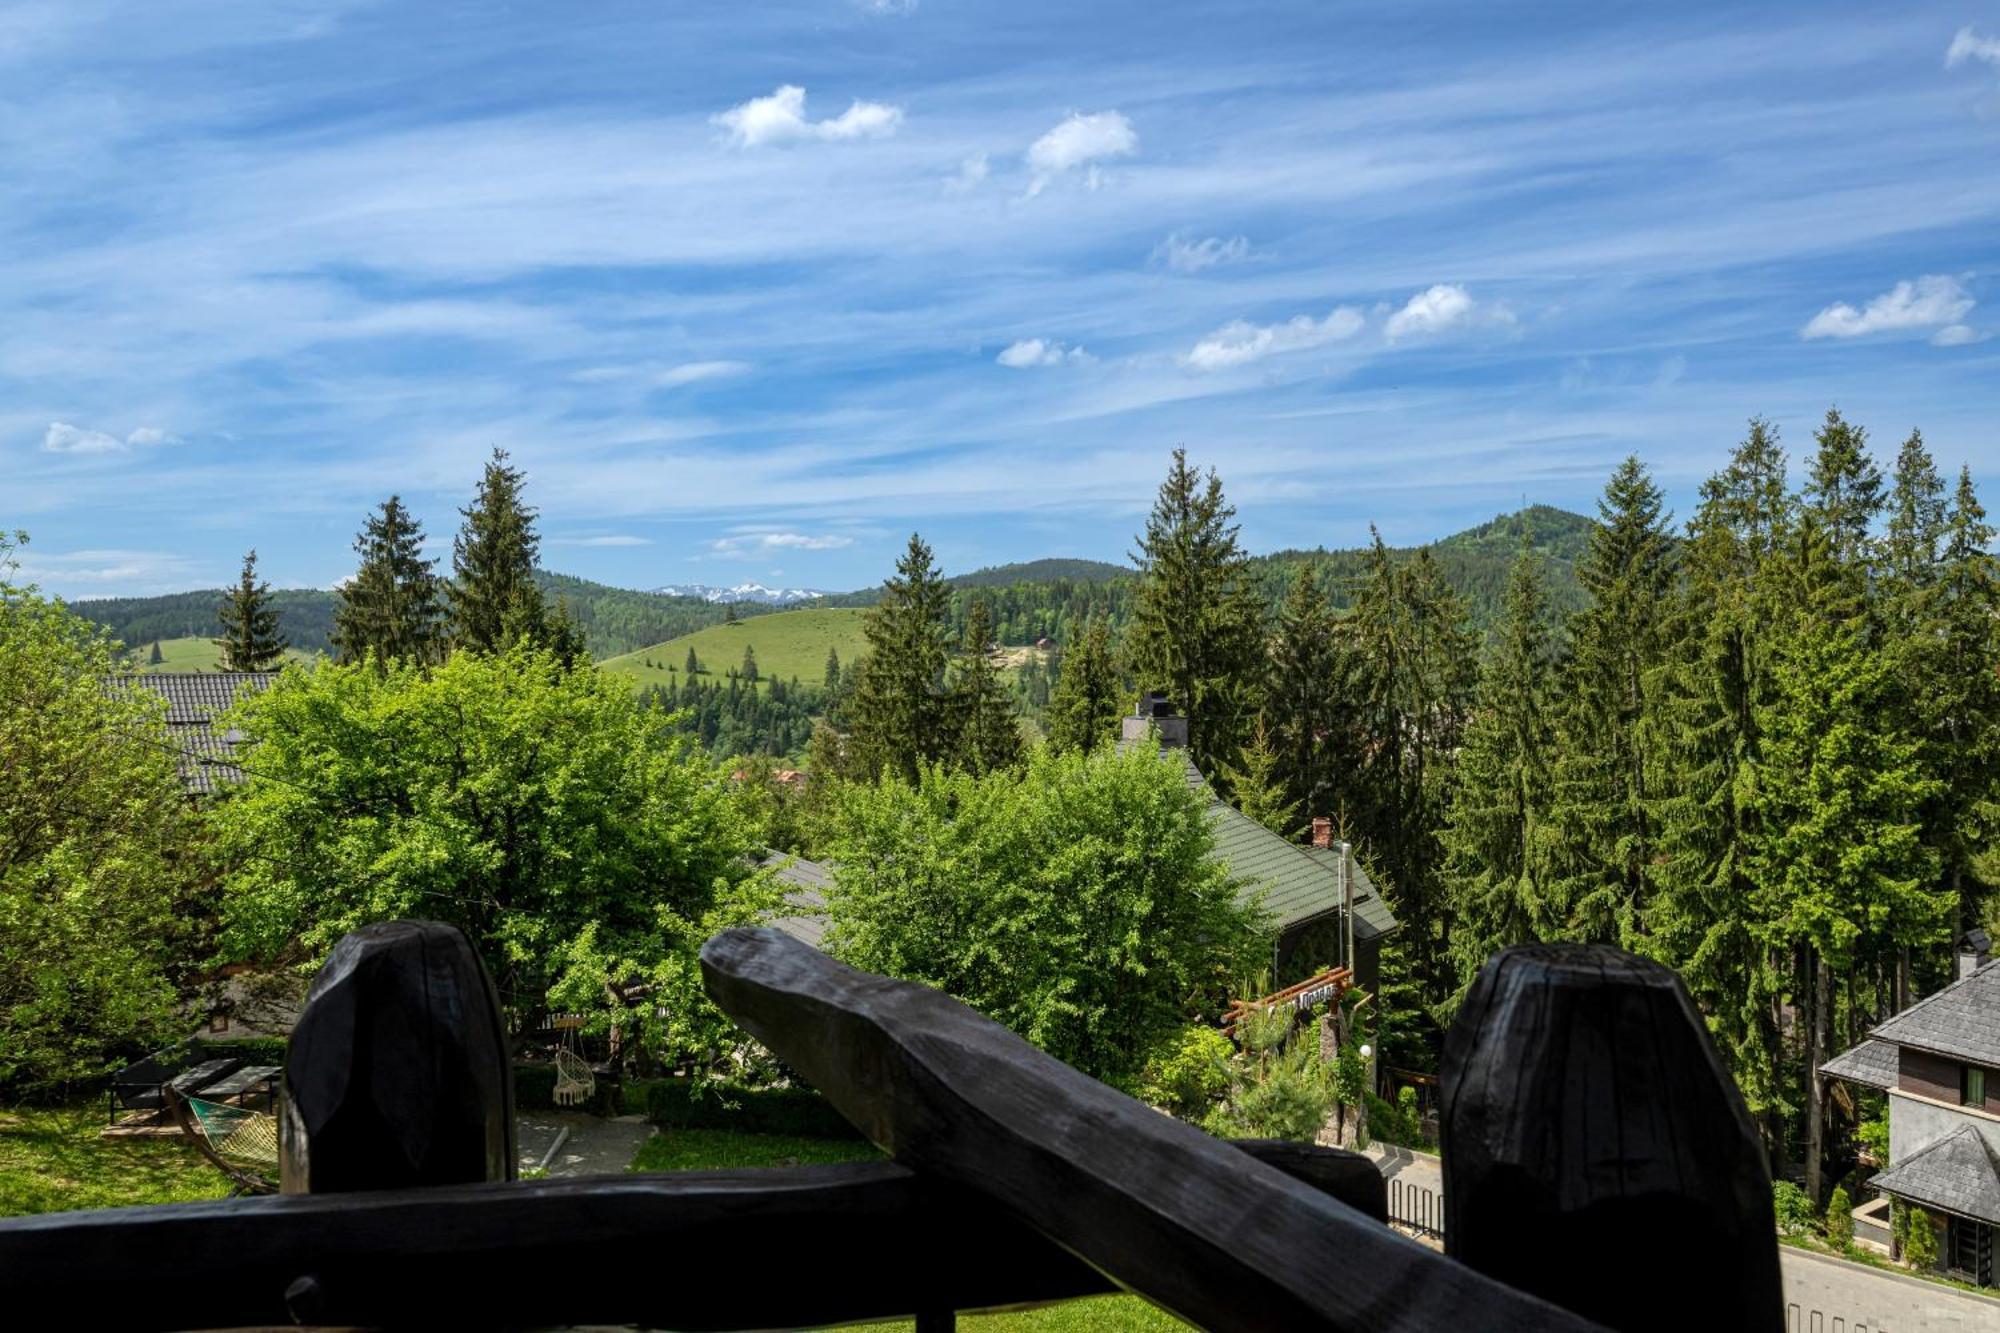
{"x": 190, "y": 654}
{"x": 787, "y": 643}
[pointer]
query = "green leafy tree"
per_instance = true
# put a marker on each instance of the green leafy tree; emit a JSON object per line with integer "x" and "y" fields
{"x": 1258, "y": 789}
{"x": 571, "y": 834}
{"x": 1079, "y": 903}
{"x": 900, "y": 715}
{"x": 1197, "y": 620}
{"x": 1607, "y": 742}
{"x": 393, "y": 605}
{"x": 493, "y": 595}
{"x": 250, "y": 639}
{"x": 96, "y": 882}
{"x": 1496, "y": 832}
{"x": 988, "y": 729}
{"x": 1083, "y": 712}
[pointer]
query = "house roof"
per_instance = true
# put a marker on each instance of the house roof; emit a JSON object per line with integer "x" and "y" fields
{"x": 1957, "y": 1174}
{"x": 806, "y": 883}
{"x": 1872, "y": 1064}
{"x": 194, "y": 701}
{"x": 1961, "y": 1021}
{"x": 1296, "y": 883}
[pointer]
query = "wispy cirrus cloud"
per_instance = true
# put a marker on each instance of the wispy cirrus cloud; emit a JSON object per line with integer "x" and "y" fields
{"x": 1180, "y": 254}
{"x": 753, "y": 543}
{"x": 1240, "y": 342}
{"x": 63, "y": 438}
{"x": 781, "y": 118}
{"x": 1969, "y": 45}
{"x": 1935, "y": 301}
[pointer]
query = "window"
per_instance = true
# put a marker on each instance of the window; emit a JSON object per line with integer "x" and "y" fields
{"x": 1972, "y": 1086}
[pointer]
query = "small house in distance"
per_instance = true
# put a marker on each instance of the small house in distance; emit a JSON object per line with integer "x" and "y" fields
{"x": 1939, "y": 1062}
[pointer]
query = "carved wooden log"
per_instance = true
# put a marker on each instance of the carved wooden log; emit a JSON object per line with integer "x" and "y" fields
{"x": 1159, "y": 1206}
{"x": 857, "y": 1242}
{"x": 1597, "y": 1154}
{"x": 397, "y": 1072}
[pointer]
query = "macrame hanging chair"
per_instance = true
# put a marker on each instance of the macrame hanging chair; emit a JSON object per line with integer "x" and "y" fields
{"x": 575, "y": 1081}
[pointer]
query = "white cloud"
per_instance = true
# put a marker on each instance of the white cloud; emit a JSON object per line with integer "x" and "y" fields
{"x": 146, "y": 435}
{"x": 1969, "y": 45}
{"x": 1182, "y": 255}
{"x": 1444, "y": 307}
{"x": 696, "y": 371}
{"x": 63, "y": 438}
{"x": 751, "y": 542}
{"x": 1240, "y": 342}
{"x": 970, "y": 173}
{"x": 781, "y": 118}
{"x": 1957, "y": 335}
{"x": 96, "y": 572}
{"x": 1933, "y": 301}
{"x": 1030, "y": 352}
{"x": 1080, "y": 141}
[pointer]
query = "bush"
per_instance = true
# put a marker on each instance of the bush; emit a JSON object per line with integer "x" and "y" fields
{"x": 1281, "y": 1089}
{"x": 1189, "y": 1074}
{"x": 1794, "y": 1209}
{"x": 680, "y": 1104}
{"x": 1396, "y": 1122}
{"x": 1918, "y": 1237}
{"x": 1840, "y": 1219}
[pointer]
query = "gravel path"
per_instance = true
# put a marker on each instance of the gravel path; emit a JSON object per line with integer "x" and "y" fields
{"x": 594, "y": 1147}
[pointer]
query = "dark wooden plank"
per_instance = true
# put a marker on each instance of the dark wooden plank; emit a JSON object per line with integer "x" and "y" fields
{"x": 1159, "y": 1206}
{"x": 1597, "y": 1153}
{"x": 397, "y": 1072}
{"x": 242, "y": 1081}
{"x": 190, "y": 1082}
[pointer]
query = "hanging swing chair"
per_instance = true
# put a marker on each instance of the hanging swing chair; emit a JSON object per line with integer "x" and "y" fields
{"x": 575, "y": 1080}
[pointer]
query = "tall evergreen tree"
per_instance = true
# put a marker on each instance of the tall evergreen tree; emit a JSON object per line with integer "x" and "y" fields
{"x": 1084, "y": 711}
{"x": 1257, "y": 785}
{"x": 1715, "y": 694}
{"x": 156, "y": 657}
{"x": 250, "y": 639}
{"x": 493, "y": 596}
{"x": 832, "y": 682}
{"x": 693, "y": 667}
{"x": 1305, "y": 693}
{"x": 1606, "y": 736}
{"x": 987, "y": 728}
{"x": 1844, "y": 488}
{"x": 900, "y": 716}
{"x": 391, "y": 607}
{"x": 1964, "y": 698}
{"x": 749, "y": 668}
{"x": 1197, "y": 621}
{"x": 1495, "y": 835}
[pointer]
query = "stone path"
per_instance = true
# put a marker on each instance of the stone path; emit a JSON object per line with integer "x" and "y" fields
{"x": 595, "y": 1147}
{"x": 1847, "y": 1297}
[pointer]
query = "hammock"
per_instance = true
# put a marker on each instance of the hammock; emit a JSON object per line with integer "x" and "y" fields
{"x": 242, "y": 1144}
{"x": 574, "y": 1079}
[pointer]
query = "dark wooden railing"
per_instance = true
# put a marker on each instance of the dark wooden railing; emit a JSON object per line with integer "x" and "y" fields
{"x": 1583, "y": 1099}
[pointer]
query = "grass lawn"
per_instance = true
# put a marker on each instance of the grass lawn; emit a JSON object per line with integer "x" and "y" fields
{"x": 713, "y": 1149}
{"x": 190, "y": 655}
{"x": 787, "y": 643}
{"x": 51, "y": 1160}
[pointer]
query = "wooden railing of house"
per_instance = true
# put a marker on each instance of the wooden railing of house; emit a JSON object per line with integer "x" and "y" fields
{"x": 1600, "y": 1172}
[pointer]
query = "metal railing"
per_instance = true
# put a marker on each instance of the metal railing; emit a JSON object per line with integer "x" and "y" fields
{"x": 1417, "y": 1207}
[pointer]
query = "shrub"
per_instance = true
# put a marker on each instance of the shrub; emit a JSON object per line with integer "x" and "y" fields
{"x": 1919, "y": 1238}
{"x": 1794, "y": 1209}
{"x": 682, "y": 1104}
{"x": 1396, "y": 1122}
{"x": 1840, "y": 1219}
{"x": 1189, "y": 1075}
{"x": 1280, "y": 1089}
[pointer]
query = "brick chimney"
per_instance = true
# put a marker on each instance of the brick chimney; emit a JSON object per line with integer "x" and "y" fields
{"x": 1322, "y": 832}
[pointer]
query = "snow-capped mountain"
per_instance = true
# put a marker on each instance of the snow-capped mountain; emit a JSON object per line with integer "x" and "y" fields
{"x": 742, "y": 592}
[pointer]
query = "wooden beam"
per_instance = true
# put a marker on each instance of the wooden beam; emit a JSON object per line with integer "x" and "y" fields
{"x": 1596, "y": 1152}
{"x": 1162, "y": 1208}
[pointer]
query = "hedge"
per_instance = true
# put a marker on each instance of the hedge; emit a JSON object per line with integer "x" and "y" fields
{"x": 678, "y": 1104}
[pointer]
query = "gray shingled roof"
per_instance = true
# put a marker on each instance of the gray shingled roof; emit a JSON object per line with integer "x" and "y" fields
{"x": 1296, "y": 883}
{"x": 1961, "y": 1021}
{"x": 194, "y": 701}
{"x": 806, "y": 883}
{"x": 1957, "y": 1174}
{"x": 1872, "y": 1064}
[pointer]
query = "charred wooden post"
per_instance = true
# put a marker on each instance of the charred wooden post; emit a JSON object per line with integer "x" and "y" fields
{"x": 397, "y": 1074}
{"x": 1597, "y": 1154}
{"x": 1160, "y": 1207}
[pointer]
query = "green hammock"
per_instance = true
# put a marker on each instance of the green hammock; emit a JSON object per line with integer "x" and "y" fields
{"x": 238, "y": 1134}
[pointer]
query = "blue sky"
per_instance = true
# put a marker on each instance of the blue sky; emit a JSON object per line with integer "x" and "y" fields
{"x": 754, "y": 290}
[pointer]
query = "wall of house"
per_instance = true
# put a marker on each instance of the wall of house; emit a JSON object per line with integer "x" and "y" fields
{"x": 1927, "y": 1075}
{"x": 1915, "y": 1125}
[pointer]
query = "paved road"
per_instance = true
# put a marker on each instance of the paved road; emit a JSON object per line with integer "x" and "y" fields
{"x": 1856, "y": 1296}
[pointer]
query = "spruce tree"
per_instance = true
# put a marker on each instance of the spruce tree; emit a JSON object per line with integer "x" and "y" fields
{"x": 493, "y": 596}
{"x": 250, "y": 639}
{"x": 1606, "y": 734}
{"x": 1495, "y": 837}
{"x": 988, "y": 731}
{"x": 1963, "y": 695}
{"x": 1257, "y": 785}
{"x": 693, "y": 664}
{"x": 1844, "y": 488}
{"x": 900, "y": 717}
{"x": 391, "y": 607}
{"x": 749, "y": 663}
{"x": 1197, "y": 621}
{"x": 832, "y": 679}
{"x": 1305, "y": 692}
{"x": 156, "y": 657}
{"x": 1083, "y": 713}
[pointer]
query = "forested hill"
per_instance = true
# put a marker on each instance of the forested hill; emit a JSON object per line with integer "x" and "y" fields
{"x": 1054, "y": 598}
{"x": 614, "y": 620}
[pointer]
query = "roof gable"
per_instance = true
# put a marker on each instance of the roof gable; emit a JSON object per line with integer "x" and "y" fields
{"x": 1962, "y": 1020}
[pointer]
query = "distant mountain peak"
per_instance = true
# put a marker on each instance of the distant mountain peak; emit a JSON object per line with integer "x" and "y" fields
{"x": 742, "y": 592}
